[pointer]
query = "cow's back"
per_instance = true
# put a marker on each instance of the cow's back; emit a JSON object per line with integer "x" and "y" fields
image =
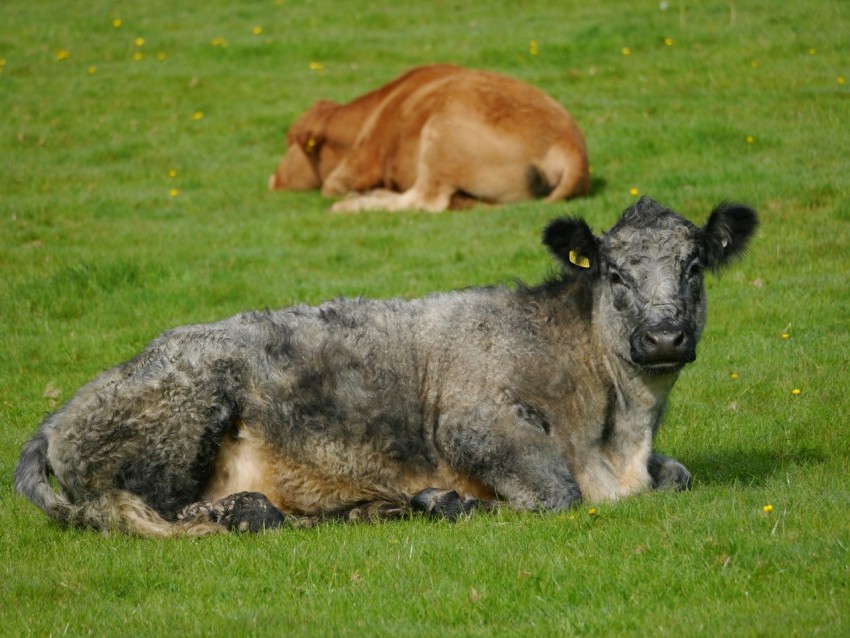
{"x": 495, "y": 126}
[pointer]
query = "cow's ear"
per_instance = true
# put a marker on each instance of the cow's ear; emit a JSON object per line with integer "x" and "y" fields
{"x": 727, "y": 232}
{"x": 309, "y": 131}
{"x": 309, "y": 140}
{"x": 573, "y": 243}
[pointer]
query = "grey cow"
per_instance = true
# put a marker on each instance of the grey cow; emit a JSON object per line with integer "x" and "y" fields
{"x": 540, "y": 396}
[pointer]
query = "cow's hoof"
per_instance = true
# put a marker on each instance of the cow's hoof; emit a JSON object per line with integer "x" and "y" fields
{"x": 247, "y": 512}
{"x": 351, "y": 205}
{"x": 370, "y": 512}
{"x": 668, "y": 475}
{"x": 442, "y": 503}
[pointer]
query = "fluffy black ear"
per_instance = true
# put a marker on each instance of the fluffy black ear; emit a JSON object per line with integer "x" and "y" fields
{"x": 727, "y": 232}
{"x": 573, "y": 243}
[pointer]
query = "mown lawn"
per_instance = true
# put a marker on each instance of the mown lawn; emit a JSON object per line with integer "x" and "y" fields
{"x": 133, "y": 164}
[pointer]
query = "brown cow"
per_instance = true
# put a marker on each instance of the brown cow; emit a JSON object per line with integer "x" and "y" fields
{"x": 438, "y": 137}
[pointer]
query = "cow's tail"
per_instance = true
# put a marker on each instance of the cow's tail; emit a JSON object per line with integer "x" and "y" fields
{"x": 32, "y": 479}
{"x": 113, "y": 511}
{"x": 563, "y": 173}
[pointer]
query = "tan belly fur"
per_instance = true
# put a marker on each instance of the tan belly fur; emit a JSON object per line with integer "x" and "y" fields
{"x": 333, "y": 478}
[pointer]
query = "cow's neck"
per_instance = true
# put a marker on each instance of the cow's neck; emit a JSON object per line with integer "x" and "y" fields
{"x": 643, "y": 391}
{"x": 641, "y": 399}
{"x": 617, "y": 465}
{"x": 345, "y": 124}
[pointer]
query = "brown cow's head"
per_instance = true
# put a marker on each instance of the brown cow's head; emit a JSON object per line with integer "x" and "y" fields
{"x": 312, "y": 153}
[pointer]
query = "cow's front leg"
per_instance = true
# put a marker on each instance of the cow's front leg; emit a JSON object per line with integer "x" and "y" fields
{"x": 359, "y": 172}
{"x": 668, "y": 474}
{"x": 448, "y": 504}
{"x": 517, "y": 459}
{"x": 242, "y": 512}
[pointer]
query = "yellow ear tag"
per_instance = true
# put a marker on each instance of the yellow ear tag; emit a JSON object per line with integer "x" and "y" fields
{"x": 310, "y": 145}
{"x": 578, "y": 260}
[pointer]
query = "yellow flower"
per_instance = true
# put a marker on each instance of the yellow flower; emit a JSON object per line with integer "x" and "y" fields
{"x": 811, "y": 51}
{"x": 219, "y": 42}
{"x": 116, "y": 23}
{"x": 172, "y": 172}
{"x": 138, "y": 55}
{"x": 840, "y": 79}
{"x": 633, "y": 192}
{"x": 533, "y": 49}
{"x": 795, "y": 391}
{"x": 768, "y": 508}
{"x": 139, "y": 42}
{"x": 197, "y": 115}
{"x": 316, "y": 66}
{"x": 62, "y": 54}
{"x": 734, "y": 375}
{"x": 668, "y": 41}
{"x": 750, "y": 139}
{"x": 173, "y": 192}
{"x": 786, "y": 335}
{"x": 160, "y": 55}
{"x": 92, "y": 70}
{"x": 754, "y": 64}
{"x": 626, "y": 51}
{"x": 257, "y": 30}
{"x": 592, "y": 511}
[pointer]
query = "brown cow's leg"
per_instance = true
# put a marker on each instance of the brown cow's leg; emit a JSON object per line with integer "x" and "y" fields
{"x": 359, "y": 172}
{"x": 432, "y": 189}
{"x": 434, "y": 199}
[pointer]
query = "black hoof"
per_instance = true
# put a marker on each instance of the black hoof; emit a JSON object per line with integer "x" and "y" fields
{"x": 371, "y": 511}
{"x": 442, "y": 503}
{"x": 668, "y": 475}
{"x": 242, "y": 512}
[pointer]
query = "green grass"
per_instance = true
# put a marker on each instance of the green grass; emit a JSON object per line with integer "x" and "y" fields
{"x": 97, "y": 258}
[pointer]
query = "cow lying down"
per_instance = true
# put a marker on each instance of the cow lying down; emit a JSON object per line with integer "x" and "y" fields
{"x": 438, "y": 137}
{"x": 540, "y": 396}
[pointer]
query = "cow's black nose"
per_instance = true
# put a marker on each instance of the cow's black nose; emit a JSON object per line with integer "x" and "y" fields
{"x": 663, "y": 344}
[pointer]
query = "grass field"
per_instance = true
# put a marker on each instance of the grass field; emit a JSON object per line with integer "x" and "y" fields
{"x": 135, "y": 144}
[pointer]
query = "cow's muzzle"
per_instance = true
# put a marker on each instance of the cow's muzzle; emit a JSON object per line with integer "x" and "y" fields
{"x": 663, "y": 348}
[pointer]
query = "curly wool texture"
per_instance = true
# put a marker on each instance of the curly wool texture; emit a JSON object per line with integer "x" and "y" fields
{"x": 539, "y": 396}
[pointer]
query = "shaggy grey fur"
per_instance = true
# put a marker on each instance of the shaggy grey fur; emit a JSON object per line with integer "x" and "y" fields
{"x": 540, "y": 396}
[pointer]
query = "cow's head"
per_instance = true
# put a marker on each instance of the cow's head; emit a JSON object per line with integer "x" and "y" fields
{"x": 312, "y": 152}
{"x": 647, "y": 276}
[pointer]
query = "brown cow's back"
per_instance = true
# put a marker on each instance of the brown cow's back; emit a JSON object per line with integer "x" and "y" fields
{"x": 436, "y": 133}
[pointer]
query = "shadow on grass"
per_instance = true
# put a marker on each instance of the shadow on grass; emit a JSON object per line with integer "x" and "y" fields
{"x": 749, "y": 467}
{"x": 597, "y": 186}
